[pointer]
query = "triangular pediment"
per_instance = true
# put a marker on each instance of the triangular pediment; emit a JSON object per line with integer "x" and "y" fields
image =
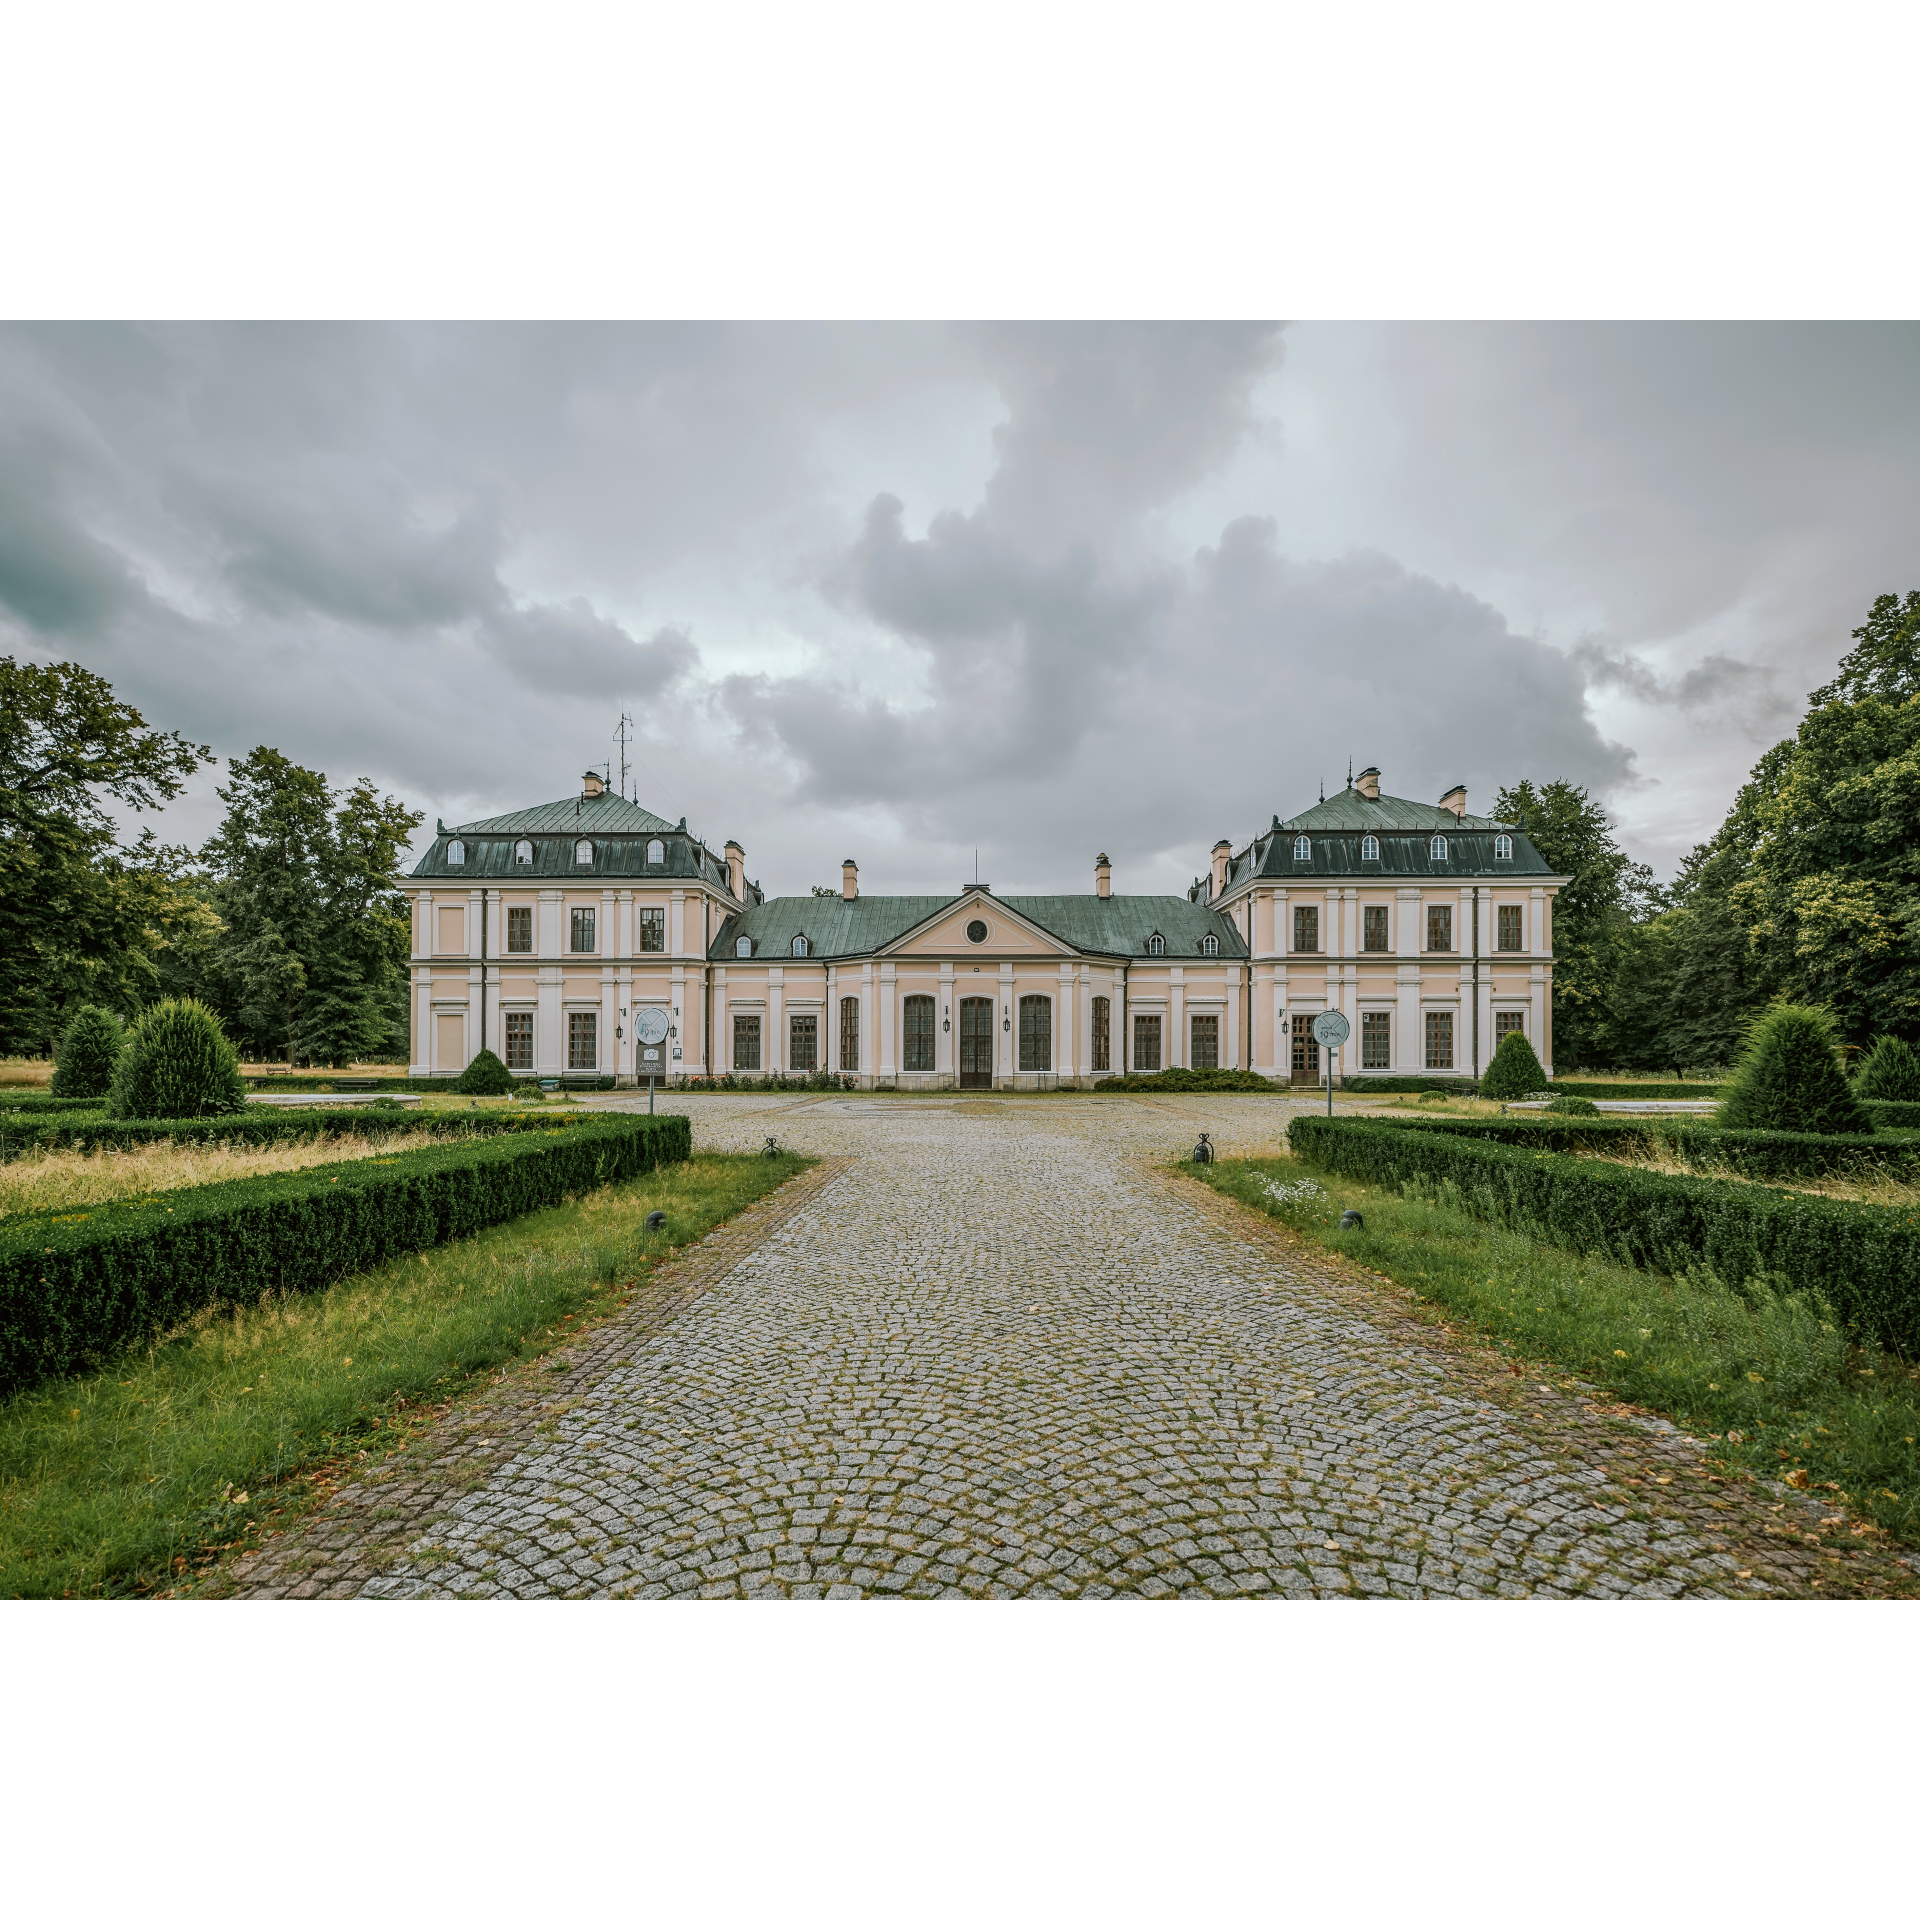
{"x": 948, "y": 934}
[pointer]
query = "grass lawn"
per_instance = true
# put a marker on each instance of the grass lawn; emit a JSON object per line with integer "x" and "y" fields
{"x": 134, "y": 1478}
{"x": 1770, "y": 1381}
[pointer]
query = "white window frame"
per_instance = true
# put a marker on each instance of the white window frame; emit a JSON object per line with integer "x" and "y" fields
{"x": 800, "y": 947}
{"x": 743, "y": 947}
{"x": 1156, "y": 944}
{"x": 1503, "y": 846}
{"x": 583, "y": 853}
{"x": 1302, "y": 847}
{"x": 1437, "y": 848}
{"x": 1210, "y": 944}
{"x": 1369, "y": 847}
{"x": 573, "y": 930}
{"x": 456, "y": 853}
{"x": 523, "y": 853}
{"x": 656, "y": 853}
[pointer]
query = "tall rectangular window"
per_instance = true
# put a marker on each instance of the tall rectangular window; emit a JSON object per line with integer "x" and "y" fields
{"x": 746, "y": 1043}
{"x": 1512, "y": 937}
{"x": 1373, "y": 930}
{"x": 520, "y": 1042}
{"x": 519, "y": 929}
{"x": 1376, "y": 1040}
{"x": 1440, "y": 1039}
{"x": 1506, "y": 1023}
{"x": 1036, "y": 1033}
{"x": 582, "y": 930}
{"x": 918, "y": 1035}
{"x": 1146, "y": 1043}
{"x": 583, "y": 1042}
{"x": 1206, "y": 1040}
{"x": 1102, "y": 1035}
{"x": 1306, "y": 929}
{"x": 803, "y": 1041}
{"x": 850, "y": 1035}
{"x": 1439, "y": 929}
{"x": 653, "y": 929}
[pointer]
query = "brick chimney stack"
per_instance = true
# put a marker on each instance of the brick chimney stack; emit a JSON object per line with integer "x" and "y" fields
{"x": 1103, "y": 877}
{"x": 1368, "y": 785}
{"x": 736, "y": 869}
{"x": 591, "y": 785}
{"x": 1222, "y": 856}
{"x": 1455, "y": 802}
{"x": 849, "y": 881}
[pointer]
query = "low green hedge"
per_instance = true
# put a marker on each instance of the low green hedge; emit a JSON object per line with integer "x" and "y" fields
{"x": 1405, "y": 1083}
{"x": 1192, "y": 1080}
{"x": 1864, "y": 1259}
{"x": 75, "y": 1285}
{"x": 38, "y": 1103}
{"x": 1893, "y": 1113}
{"x": 1760, "y": 1155}
{"x": 1640, "y": 1089}
{"x": 258, "y": 1082}
{"x": 95, "y": 1132}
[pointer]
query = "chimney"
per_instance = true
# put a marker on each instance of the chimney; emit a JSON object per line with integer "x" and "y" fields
{"x": 1368, "y": 785}
{"x": 1102, "y": 877}
{"x": 849, "y": 881}
{"x": 736, "y": 870}
{"x": 592, "y": 786}
{"x": 1455, "y": 802}
{"x": 1222, "y": 854}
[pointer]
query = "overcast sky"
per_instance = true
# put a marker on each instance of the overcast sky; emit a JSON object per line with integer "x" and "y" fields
{"x": 901, "y": 591}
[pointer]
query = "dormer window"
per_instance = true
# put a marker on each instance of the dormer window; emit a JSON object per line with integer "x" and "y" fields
{"x": 1156, "y": 943}
{"x": 583, "y": 853}
{"x": 656, "y": 853}
{"x": 1369, "y": 847}
{"x": 1437, "y": 847}
{"x": 1302, "y": 848}
{"x": 800, "y": 948}
{"x": 456, "y": 853}
{"x": 523, "y": 853}
{"x": 1209, "y": 943}
{"x": 743, "y": 947}
{"x": 1503, "y": 846}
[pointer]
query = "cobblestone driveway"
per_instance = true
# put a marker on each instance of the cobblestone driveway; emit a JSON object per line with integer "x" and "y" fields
{"x": 997, "y": 1356}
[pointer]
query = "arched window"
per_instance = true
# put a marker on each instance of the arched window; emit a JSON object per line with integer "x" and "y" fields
{"x": 456, "y": 853}
{"x": 1209, "y": 943}
{"x": 1302, "y": 848}
{"x": 918, "y": 1034}
{"x": 1036, "y": 1033}
{"x": 523, "y": 853}
{"x": 1437, "y": 847}
{"x": 800, "y": 949}
{"x": 1155, "y": 943}
{"x": 1369, "y": 848}
{"x": 1503, "y": 846}
{"x": 656, "y": 853}
{"x": 743, "y": 948}
{"x": 583, "y": 853}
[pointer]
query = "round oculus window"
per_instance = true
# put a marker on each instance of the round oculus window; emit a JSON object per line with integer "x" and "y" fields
{"x": 976, "y": 931}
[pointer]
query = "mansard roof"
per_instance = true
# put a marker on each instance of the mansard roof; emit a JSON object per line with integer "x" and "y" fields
{"x": 1115, "y": 927}
{"x": 619, "y": 830}
{"x": 1353, "y": 811}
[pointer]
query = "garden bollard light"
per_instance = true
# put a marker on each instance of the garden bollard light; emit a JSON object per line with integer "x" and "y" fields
{"x": 1350, "y": 1219}
{"x": 656, "y": 1220}
{"x": 1204, "y": 1151}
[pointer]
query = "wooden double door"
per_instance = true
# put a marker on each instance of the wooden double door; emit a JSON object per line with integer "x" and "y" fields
{"x": 1306, "y": 1051}
{"x": 976, "y": 1043}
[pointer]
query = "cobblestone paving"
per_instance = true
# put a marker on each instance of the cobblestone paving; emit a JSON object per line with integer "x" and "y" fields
{"x": 997, "y": 1356}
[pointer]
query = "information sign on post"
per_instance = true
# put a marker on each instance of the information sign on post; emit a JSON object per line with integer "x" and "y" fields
{"x": 650, "y": 1026}
{"x": 1330, "y": 1031}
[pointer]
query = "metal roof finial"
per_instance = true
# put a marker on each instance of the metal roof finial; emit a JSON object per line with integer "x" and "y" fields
{"x": 1349, "y": 773}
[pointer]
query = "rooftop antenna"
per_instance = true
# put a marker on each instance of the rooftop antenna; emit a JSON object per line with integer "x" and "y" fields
{"x": 620, "y": 734}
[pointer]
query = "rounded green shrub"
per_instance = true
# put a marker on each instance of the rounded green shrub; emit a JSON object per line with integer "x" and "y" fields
{"x": 486, "y": 1075}
{"x": 1788, "y": 1077}
{"x": 88, "y": 1049}
{"x": 1570, "y": 1103}
{"x": 1889, "y": 1072}
{"x": 176, "y": 1065}
{"x": 1515, "y": 1072}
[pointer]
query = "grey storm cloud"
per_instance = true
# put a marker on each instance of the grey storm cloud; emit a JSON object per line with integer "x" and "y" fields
{"x": 905, "y": 590}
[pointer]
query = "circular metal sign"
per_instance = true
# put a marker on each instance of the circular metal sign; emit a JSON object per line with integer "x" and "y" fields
{"x": 650, "y": 1026}
{"x": 1331, "y": 1029}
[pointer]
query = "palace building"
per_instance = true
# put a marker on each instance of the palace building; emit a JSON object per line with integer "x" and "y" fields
{"x": 544, "y": 934}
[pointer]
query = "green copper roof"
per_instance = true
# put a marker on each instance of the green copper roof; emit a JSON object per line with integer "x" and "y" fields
{"x": 841, "y": 929}
{"x": 1352, "y": 810}
{"x": 607, "y": 813}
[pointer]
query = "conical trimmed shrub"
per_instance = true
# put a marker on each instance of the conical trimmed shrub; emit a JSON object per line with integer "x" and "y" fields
{"x": 486, "y": 1075}
{"x": 88, "y": 1049}
{"x": 1889, "y": 1072}
{"x": 176, "y": 1065}
{"x": 1788, "y": 1077}
{"x": 1514, "y": 1073}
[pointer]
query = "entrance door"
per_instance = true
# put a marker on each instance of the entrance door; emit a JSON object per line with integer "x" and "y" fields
{"x": 1306, "y": 1051}
{"x": 976, "y": 1043}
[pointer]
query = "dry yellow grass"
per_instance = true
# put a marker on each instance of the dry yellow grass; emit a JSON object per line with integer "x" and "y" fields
{"x": 27, "y": 1075}
{"x": 64, "y": 1177}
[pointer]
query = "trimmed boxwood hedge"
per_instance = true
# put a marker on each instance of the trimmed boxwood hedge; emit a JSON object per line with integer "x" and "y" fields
{"x": 1864, "y": 1259}
{"x": 1192, "y": 1080}
{"x": 1894, "y": 1113}
{"x": 35, "y": 1103}
{"x": 94, "y": 1131}
{"x": 1752, "y": 1151}
{"x": 258, "y": 1082}
{"x": 76, "y": 1285}
{"x": 1640, "y": 1090}
{"x": 1403, "y": 1083}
